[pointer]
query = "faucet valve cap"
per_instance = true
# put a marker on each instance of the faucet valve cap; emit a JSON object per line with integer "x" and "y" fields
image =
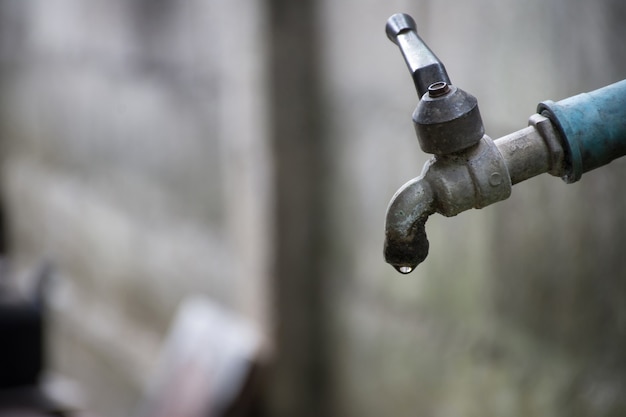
{"x": 447, "y": 120}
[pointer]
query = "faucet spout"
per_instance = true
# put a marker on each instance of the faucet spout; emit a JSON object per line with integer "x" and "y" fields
{"x": 449, "y": 185}
{"x": 406, "y": 245}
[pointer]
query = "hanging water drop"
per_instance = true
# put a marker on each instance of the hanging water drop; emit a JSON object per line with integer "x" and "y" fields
{"x": 405, "y": 269}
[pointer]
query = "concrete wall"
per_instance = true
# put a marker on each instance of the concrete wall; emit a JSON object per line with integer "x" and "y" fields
{"x": 135, "y": 159}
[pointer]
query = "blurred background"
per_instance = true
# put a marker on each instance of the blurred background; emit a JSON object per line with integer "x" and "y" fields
{"x": 246, "y": 151}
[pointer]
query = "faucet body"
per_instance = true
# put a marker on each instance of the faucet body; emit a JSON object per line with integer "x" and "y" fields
{"x": 449, "y": 184}
{"x": 469, "y": 169}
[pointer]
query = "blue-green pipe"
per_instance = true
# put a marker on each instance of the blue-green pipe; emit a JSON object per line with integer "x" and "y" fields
{"x": 593, "y": 127}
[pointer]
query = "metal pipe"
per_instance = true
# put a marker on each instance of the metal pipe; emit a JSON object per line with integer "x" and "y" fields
{"x": 533, "y": 150}
{"x": 528, "y": 143}
{"x": 593, "y": 126}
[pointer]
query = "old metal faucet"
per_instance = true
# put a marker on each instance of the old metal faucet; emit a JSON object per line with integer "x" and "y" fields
{"x": 470, "y": 170}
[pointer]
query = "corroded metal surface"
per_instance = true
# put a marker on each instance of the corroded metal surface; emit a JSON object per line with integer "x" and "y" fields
{"x": 449, "y": 184}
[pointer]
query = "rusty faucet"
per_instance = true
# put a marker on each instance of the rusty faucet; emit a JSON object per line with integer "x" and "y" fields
{"x": 469, "y": 169}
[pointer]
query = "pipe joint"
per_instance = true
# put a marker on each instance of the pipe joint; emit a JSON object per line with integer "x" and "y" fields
{"x": 474, "y": 178}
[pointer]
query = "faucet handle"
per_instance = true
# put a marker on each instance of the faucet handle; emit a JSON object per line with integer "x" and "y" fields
{"x": 447, "y": 119}
{"x": 426, "y": 69}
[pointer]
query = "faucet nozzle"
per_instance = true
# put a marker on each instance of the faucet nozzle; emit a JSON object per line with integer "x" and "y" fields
{"x": 449, "y": 185}
{"x": 406, "y": 245}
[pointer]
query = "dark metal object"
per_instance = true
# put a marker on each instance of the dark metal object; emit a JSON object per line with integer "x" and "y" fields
{"x": 22, "y": 349}
{"x": 438, "y": 89}
{"x": 447, "y": 118}
{"x": 22, "y": 333}
{"x": 426, "y": 69}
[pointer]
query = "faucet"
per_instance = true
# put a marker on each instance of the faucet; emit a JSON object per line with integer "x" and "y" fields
{"x": 468, "y": 169}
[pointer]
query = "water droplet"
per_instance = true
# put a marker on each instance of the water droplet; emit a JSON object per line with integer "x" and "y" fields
{"x": 405, "y": 269}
